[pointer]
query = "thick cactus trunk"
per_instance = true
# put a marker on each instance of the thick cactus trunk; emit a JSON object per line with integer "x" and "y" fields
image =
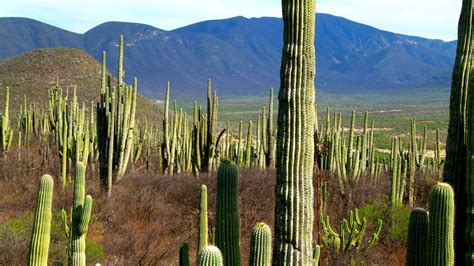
{"x": 417, "y": 237}
{"x": 456, "y": 146}
{"x": 441, "y": 226}
{"x": 227, "y": 213}
{"x": 39, "y": 244}
{"x": 295, "y": 147}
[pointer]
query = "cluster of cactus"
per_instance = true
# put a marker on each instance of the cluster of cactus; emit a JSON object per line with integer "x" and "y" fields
{"x": 80, "y": 216}
{"x": 176, "y": 149}
{"x": 227, "y": 227}
{"x": 73, "y": 130}
{"x": 115, "y": 123}
{"x": 431, "y": 237}
{"x": 350, "y": 236}
{"x": 349, "y": 157}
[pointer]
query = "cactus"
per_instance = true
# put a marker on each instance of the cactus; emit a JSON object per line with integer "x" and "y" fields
{"x": 39, "y": 243}
{"x": 81, "y": 213}
{"x": 295, "y": 147}
{"x": 417, "y": 237}
{"x": 210, "y": 256}
{"x": 457, "y": 141}
{"x": 261, "y": 245}
{"x": 227, "y": 213}
{"x": 269, "y": 156}
{"x": 316, "y": 254}
{"x": 6, "y": 133}
{"x": 184, "y": 255}
{"x": 248, "y": 149}
{"x": 441, "y": 226}
{"x": 202, "y": 233}
{"x": 115, "y": 125}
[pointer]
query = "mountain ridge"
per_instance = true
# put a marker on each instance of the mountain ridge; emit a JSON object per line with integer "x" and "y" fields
{"x": 242, "y": 55}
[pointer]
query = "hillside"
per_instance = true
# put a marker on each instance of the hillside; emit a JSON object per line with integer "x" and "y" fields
{"x": 242, "y": 55}
{"x": 32, "y": 73}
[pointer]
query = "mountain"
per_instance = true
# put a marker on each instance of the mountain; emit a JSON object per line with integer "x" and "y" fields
{"x": 242, "y": 55}
{"x": 33, "y": 73}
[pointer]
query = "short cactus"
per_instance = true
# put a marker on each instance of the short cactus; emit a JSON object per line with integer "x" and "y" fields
{"x": 39, "y": 244}
{"x": 210, "y": 256}
{"x": 261, "y": 245}
{"x": 441, "y": 228}
{"x": 227, "y": 213}
{"x": 417, "y": 237}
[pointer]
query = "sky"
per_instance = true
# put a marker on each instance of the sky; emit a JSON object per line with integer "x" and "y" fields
{"x": 427, "y": 18}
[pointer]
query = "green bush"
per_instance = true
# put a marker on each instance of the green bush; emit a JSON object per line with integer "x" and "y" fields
{"x": 398, "y": 220}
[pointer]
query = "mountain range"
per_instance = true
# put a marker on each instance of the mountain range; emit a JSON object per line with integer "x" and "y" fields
{"x": 242, "y": 55}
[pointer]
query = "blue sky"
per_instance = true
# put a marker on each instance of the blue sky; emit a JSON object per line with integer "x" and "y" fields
{"x": 427, "y": 18}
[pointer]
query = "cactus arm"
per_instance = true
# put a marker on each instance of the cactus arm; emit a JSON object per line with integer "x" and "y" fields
{"x": 85, "y": 216}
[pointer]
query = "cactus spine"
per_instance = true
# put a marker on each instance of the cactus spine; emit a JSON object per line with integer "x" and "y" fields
{"x": 457, "y": 154}
{"x": 295, "y": 146}
{"x": 81, "y": 213}
{"x": 203, "y": 234}
{"x": 39, "y": 243}
{"x": 210, "y": 256}
{"x": 261, "y": 245}
{"x": 417, "y": 237}
{"x": 441, "y": 228}
{"x": 227, "y": 213}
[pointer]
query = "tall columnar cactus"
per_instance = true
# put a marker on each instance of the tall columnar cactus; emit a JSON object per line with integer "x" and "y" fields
{"x": 184, "y": 255}
{"x": 295, "y": 147}
{"x": 417, "y": 237}
{"x": 210, "y": 256}
{"x": 203, "y": 226}
{"x": 261, "y": 245}
{"x": 81, "y": 213}
{"x": 248, "y": 149}
{"x": 6, "y": 133}
{"x": 457, "y": 154}
{"x": 227, "y": 213}
{"x": 270, "y": 157}
{"x": 39, "y": 243}
{"x": 441, "y": 226}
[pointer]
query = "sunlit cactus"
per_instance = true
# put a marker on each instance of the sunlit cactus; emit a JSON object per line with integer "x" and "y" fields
{"x": 40, "y": 237}
{"x": 261, "y": 245}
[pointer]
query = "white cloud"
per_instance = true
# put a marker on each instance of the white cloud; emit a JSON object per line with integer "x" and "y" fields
{"x": 430, "y": 18}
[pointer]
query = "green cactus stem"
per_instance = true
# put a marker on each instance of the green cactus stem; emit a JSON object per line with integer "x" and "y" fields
{"x": 261, "y": 245}
{"x": 441, "y": 226}
{"x": 227, "y": 213}
{"x": 417, "y": 237}
{"x": 210, "y": 256}
{"x": 40, "y": 237}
